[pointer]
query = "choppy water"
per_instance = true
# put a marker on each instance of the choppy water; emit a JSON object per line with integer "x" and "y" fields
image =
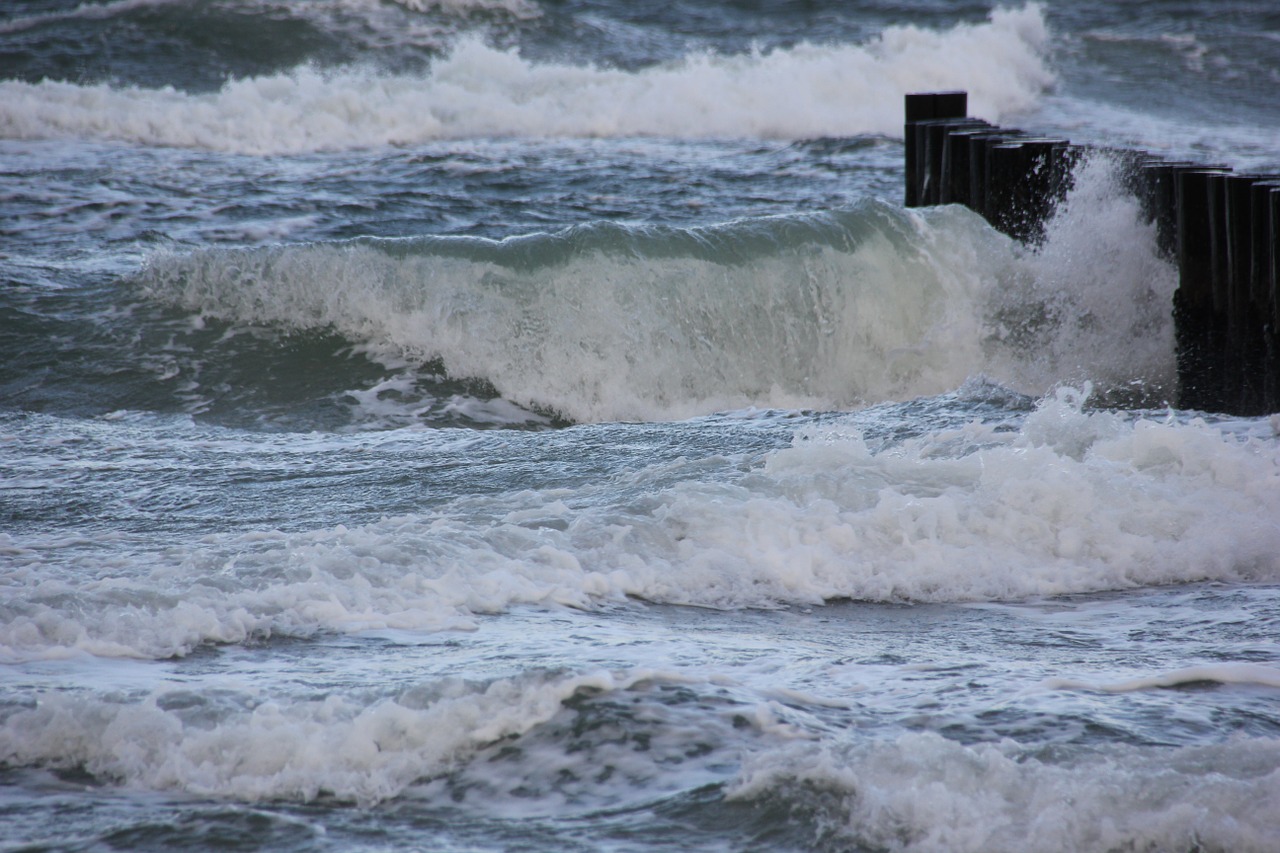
{"x": 502, "y": 425}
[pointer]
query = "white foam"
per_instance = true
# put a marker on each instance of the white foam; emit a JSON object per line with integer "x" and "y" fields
{"x": 1220, "y": 673}
{"x": 1073, "y": 502}
{"x": 922, "y": 793}
{"x": 253, "y": 747}
{"x": 1092, "y": 301}
{"x": 514, "y": 747}
{"x": 480, "y": 91}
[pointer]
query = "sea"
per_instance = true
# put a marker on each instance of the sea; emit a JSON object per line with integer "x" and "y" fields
{"x": 538, "y": 425}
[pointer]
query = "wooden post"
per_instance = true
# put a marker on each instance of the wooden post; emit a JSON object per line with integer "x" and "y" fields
{"x": 1262, "y": 285}
{"x": 978, "y": 168}
{"x": 919, "y": 107}
{"x": 953, "y": 182}
{"x": 1158, "y": 197}
{"x": 1197, "y": 328}
{"x": 1045, "y": 185}
{"x": 1273, "y": 338}
{"x": 931, "y": 165}
{"x": 1274, "y": 205}
{"x": 1244, "y": 328}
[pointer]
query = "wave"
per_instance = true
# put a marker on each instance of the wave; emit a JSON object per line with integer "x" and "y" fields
{"x": 1069, "y": 502}
{"x": 608, "y": 322}
{"x": 239, "y": 744}
{"x": 925, "y": 793}
{"x": 478, "y": 90}
{"x": 534, "y": 745}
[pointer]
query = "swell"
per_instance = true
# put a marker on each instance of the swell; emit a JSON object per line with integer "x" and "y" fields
{"x": 610, "y": 322}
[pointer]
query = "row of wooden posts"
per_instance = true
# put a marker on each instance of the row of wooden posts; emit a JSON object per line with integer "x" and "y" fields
{"x": 1221, "y": 229}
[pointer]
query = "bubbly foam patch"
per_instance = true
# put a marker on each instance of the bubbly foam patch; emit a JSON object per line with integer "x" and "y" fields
{"x": 1219, "y": 673}
{"x": 1072, "y": 502}
{"x": 477, "y": 90}
{"x": 1091, "y": 302}
{"x": 539, "y": 744}
{"x": 922, "y": 793}
{"x": 241, "y": 745}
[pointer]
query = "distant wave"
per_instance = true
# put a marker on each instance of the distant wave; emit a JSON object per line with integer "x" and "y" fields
{"x": 122, "y": 8}
{"x": 478, "y": 90}
{"x": 83, "y": 12}
{"x": 612, "y": 322}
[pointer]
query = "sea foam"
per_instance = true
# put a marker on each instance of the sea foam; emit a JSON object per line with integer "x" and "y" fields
{"x": 1072, "y": 502}
{"x": 252, "y": 747}
{"x": 922, "y": 793}
{"x": 478, "y": 90}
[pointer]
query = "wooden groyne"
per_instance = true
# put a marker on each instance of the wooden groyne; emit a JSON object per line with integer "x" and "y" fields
{"x": 1221, "y": 229}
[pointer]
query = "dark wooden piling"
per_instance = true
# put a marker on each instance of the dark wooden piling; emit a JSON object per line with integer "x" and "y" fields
{"x": 1265, "y": 243}
{"x": 927, "y": 106}
{"x": 979, "y": 144}
{"x": 1157, "y": 195}
{"x": 1273, "y": 332}
{"x": 1260, "y": 241}
{"x": 931, "y": 139}
{"x": 1042, "y": 188}
{"x": 1005, "y": 169}
{"x": 1199, "y": 327}
{"x": 953, "y": 180}
{"x": 1274, "y": 229}
{"x": 1244, "y": 339}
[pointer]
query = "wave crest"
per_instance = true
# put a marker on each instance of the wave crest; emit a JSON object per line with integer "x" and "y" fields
{"x": 477, "y": 90}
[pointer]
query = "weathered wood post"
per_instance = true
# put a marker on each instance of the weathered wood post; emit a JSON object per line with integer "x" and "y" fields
{"x": 1245, "y": 345}
{"x": 1263, "y": 251}
{"x": 1273, "y": 240}
{"x": 951, "y": 188}
{"x": 978, "y": 160}
{"x": 1198, "y": 330}
{"x": 921, "y": 107}
{"x": 1159, "y": 199}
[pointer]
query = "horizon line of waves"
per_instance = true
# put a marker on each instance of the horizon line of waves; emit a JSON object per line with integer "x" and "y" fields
{"x": 476, "y": 90}
{"x": 359, "y": 9}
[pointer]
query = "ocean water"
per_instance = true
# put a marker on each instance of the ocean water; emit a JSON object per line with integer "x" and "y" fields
{"x": 538, "y": 425}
